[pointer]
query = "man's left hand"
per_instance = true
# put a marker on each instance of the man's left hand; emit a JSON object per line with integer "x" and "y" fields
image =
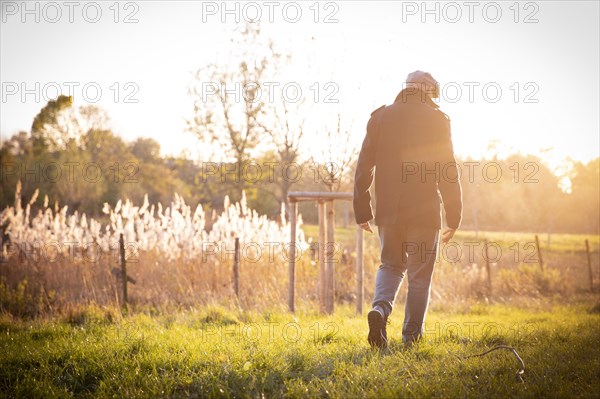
{"x": 447, "y": 235}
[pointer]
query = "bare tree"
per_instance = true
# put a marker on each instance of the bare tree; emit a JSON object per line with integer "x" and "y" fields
{"x": 237, "y": 125}
{"x": 228, "y": 100}
{"x": 337, "y": 152}
{"x": 284, "y": 122}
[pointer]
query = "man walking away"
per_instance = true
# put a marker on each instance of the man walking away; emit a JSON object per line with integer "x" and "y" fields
{"x": 408, "y": 151}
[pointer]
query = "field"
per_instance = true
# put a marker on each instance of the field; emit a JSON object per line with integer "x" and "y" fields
{"x": 461, "y": 276}
{"x": 213, "y": 352}
{"x": 184, "y": 335}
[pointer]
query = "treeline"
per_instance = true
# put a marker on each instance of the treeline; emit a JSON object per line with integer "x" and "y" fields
{"x": 89, "y": 165}
{"x": 528, "y": 196}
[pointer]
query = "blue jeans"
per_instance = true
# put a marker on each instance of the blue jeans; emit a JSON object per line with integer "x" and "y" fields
{"x": 411, "y": 250}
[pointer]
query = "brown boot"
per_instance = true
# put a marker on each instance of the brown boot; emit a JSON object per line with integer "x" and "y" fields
{"x": 377, "y": 329}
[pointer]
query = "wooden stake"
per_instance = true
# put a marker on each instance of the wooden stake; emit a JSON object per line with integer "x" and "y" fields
{"x": 293, "y": 210}
{"x": 589, "y": 261}
{"x": 329, "y": 260}
{"x": 360, "y": 272}
{"x": 123, "y": 268}
{"x": 236, "y": 268}
{"x": 487, "y": 267}
{"x": 322, "y": 277}
{"x": 539, "y": 252}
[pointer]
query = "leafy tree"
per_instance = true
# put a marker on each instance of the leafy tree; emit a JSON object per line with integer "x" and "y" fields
{"x": 585, "y": 196}
{"x": 146, "y": 149}
{"x": 49, "y": 117}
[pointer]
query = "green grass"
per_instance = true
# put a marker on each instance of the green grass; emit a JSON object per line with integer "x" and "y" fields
{"x": 220, "y": 353}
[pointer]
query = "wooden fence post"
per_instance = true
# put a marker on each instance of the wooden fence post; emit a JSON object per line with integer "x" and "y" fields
{"x": 123, "y": 268}
{"x": 236, "y": 268}
{"x": 539, "y": 252}
{"x": 293, "y": 210}
{"x": 329, "y": 261}
{"x": 360, "y": 272}
{"x": 322, "y": 276}
{"x": 327, "y": 244}
{"x": 487, "y": 266}
{"x": 589, "y": 262}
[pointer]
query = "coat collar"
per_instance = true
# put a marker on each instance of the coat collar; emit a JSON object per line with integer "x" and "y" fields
{"x": 414, "y": 96}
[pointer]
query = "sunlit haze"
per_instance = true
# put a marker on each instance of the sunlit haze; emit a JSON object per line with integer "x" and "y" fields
{"x": 546, "y": 65}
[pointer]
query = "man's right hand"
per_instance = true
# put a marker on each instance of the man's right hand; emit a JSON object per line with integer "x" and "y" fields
{"x": 447, "y": 235}
{"x": 366, "y": 226}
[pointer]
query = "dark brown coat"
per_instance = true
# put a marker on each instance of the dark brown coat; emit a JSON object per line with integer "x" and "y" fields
{"x": 408, "y": 149}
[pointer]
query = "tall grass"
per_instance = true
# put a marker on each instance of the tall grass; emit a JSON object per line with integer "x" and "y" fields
{"x": 56, "y": 259}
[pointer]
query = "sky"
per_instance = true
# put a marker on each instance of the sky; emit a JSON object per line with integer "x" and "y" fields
{"x": 522, "y": 74}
